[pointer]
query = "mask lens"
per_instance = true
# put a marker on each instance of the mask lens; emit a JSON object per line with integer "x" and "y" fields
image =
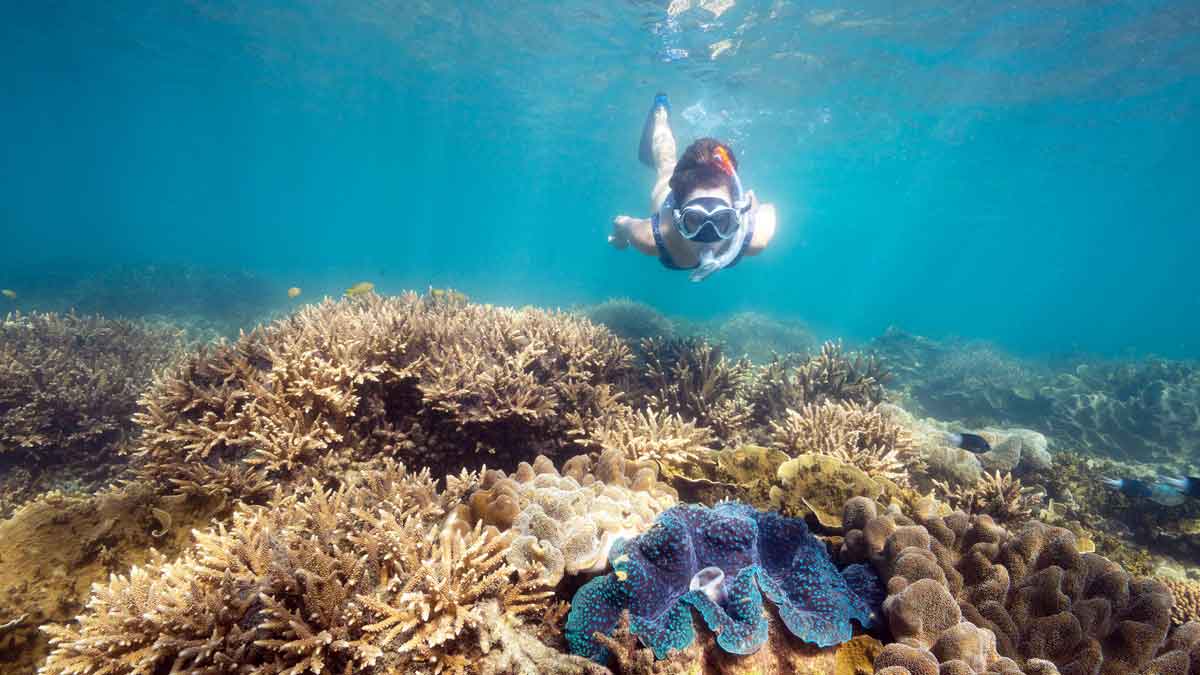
{"x": 725, "y": 221}
{"x": 693, "y": 221}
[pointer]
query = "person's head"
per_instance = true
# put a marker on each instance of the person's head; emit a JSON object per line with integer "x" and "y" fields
{"x": 699, "y": 173}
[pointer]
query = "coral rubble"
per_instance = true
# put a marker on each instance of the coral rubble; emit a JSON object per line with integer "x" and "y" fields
{"x": 721, "y": 561}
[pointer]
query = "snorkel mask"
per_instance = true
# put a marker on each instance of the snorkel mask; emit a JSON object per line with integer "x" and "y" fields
{"x": 712, "y": 223}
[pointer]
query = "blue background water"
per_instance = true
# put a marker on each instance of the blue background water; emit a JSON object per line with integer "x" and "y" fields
{"x": 1025, "y": 176}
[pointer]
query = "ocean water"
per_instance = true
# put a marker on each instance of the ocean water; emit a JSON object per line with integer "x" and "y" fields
{"x": 1021, "y": 173}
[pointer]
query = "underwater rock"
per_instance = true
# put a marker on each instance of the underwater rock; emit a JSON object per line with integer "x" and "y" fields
{"x": 721, "y": 561}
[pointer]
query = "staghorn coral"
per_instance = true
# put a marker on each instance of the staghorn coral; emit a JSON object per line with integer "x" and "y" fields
{"x": 649, "y": 436}
{"x": 378, "y": 576}
{"x": 1000, "y": 496}
{"x": 690, "y": 377}
{"x": 566, "y": 523}
{"x": 861, "y": 437}
{"x": 832, "y": 375}
{"x": 721, "y": 561}
{"x": 69, "y": 384}
{"x": 343, "y": 382}
{"x": 54, "y": 547}
{"x": 1042, "y": 606}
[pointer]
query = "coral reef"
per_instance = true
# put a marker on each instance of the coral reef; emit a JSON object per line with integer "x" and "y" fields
{"x": 341, "y": 382}
{"x": 973, "y": 597}
{"x": 1186, "y": 596}
{"x": 630, "y": 320}
{"x": 721, "y": 561}
{"x": 648, "y": 436}
{"x": 832, "y": 375}
{"x": 760, "y": 337}
{"x": 1000, "y": 496}
{"x": 56, "y": 546}
{"x": 566, "y": 523}
{"x": 378, "y": 576}
{"x": 690, "y": 377}
{"x": 68, "y": 387}
{"x": 1148, "y": 409}
{"x": 861, "y": 437}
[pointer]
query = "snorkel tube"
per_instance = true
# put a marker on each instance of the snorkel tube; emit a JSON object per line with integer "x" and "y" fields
{"x": 710, "y": 260}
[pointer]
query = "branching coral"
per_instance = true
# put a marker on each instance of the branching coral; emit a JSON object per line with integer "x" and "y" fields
{"x": 1000, "y": 496}
{"x": 831, "y": 375}
{"x": 69, "y": 384}
{"x": 566, "y": 523}
{"x": 861, "y": 437}
{"x": 760, "y": 337}
{"x": 647, "y": 435}
{"x": 346, "y": 381}
{"x": 375, "y": 577}
{"x": 692, "y": 378}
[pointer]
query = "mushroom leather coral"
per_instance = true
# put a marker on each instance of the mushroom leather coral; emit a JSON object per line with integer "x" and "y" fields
{"x": 344, "y": 381}
{"x": 1043, "y": 606}
{"x": 721, "y": 561}
{"x": 565, "y": 523}
{"x": 377, "y": 577}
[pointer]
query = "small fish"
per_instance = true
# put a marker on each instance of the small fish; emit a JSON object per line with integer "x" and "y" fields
{"x": 294, "y": 292}
{"x": 1188, "y": 485}
{"x": 1158, "y": 493}
{"x": 9, "y": 293}
{"x": 361, "y": 288}
{"x": 969, "y": 442}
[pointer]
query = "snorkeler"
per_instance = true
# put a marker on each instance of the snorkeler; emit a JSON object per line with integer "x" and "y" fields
{"x": 702, "y": 218}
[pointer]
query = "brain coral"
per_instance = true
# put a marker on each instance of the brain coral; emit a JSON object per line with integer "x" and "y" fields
{"x": 566, "y": 523}
{"x": 721, "y": 561}
{"x": 1045, "y": 606}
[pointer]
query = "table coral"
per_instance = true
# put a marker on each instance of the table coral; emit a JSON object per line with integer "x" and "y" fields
{"x": 721, "y": 561}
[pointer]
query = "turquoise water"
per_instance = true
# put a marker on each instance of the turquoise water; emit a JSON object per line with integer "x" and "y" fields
{"x": 1024, "y": 175}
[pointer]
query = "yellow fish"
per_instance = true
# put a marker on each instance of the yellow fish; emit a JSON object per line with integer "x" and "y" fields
{"x": 10, "y": 294}
{"x": 294, "y": 291}
{"x": 361, "y": 288}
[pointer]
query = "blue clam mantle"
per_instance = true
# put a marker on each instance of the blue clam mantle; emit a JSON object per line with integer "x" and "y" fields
{"x": 721, "y": 561}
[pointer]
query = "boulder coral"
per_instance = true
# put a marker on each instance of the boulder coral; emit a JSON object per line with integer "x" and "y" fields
{"x": 967, "y": 596}
{"x": 721, "y": 561}
{"x": 347, "y": 381}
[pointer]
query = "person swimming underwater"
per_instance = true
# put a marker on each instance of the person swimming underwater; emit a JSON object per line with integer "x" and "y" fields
{"x": 702, "y": 219}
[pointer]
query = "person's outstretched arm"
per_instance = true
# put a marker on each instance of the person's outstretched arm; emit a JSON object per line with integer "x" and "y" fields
{"x": 634, "y": 231}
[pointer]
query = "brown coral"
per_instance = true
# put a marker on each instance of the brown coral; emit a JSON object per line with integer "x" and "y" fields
{"x": 861, "y": 437}
{"x": 1186, "y": 595}
{"x": 690, "y": 377}
{"x": 650, "y": 436}
{"x": 346, "y": 381}
{"x": 831, "y": 375}
{"x": 68, "y": 386}
{"x": 369, "y": 579}
{"x": 1000, "y": 496}
{"x": 1044, "y": 602}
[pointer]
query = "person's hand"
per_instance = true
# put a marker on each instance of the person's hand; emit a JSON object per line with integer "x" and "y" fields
{"x": 620, "y": 232}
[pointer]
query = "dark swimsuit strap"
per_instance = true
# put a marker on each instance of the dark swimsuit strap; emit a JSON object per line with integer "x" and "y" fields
{"x": 664, "y": 256}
